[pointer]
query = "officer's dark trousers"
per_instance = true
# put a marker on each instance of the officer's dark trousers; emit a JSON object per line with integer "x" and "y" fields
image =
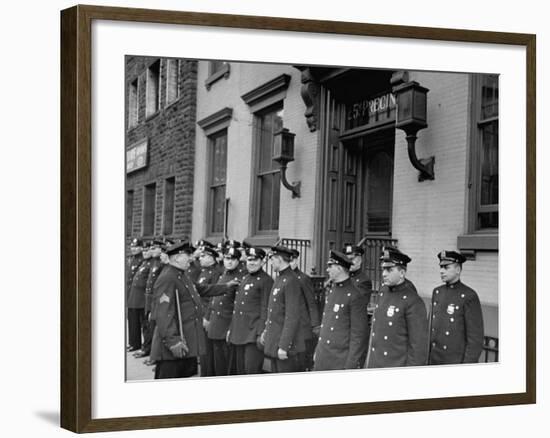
{"x": 173, "y": 369}
{"x": 221, "y": 357}
{"x": 207, "y": 360}
{"x": 148, "y": 329}
{"x": 135, "y": 321}
{"x": 248, "y": 359}
{"x": 289, "y": 365}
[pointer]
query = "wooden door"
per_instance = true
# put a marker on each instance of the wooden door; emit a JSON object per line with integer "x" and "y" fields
{"x": 343, "y": 167}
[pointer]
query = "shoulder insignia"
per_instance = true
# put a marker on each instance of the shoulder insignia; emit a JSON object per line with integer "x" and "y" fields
{"x": 164, "y": 299}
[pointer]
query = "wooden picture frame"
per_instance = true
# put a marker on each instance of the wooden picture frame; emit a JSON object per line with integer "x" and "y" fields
{"x": 76, "y": 217}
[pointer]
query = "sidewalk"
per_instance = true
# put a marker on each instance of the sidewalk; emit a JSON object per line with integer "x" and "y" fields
{"x": 137, "y": 370}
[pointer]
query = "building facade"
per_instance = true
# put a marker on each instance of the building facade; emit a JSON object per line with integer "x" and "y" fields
{"x": 160, "y": 146}
{"x": 351, "y": 166}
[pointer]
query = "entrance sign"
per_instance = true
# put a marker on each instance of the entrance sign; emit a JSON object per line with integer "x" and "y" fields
{"x": 371, "y": 112}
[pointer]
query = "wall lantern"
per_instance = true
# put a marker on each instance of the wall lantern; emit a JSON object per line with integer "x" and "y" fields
{"x": 412, "y": 117}
{"x": 283, "y": 153}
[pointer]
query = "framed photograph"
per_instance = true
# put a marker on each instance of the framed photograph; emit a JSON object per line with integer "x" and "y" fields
{"x": 303, "y": 217}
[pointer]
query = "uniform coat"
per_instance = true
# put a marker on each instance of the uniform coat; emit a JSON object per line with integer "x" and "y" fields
{"x": 310, "y": 312}
{"x": 399, "y": 334}
{"x": 249, "y": 312}
{"x": 283, "y": 316}
{"x": 457, "y": 325}
{"x": 193, "y": 271}
{"x": 344, "y": 328}
{"x": 136, "y": 298}
{"x": 208, "y": 276}
{"x": 155, "y": 267}
{"x": 221, "y": 306}
{"x": 132, "y": 265}
{"x": 171, "y": 281}
{"x": 362, "y": 282}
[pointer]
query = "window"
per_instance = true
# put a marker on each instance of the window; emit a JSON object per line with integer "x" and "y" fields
{"x": 483, "y": 183}
{"x": 168, "y": 214}
{"x": 485, "y": 155}
{"x": 216, "y": 71}
{"x": 217, "y": 182}
{"x": 129, "y": 211}
{"x": 172, "y": 80}
{"x": 216, "y": 66}
{"x": 268, "y": 178}
{"x": 149, "y": 203}
{"x": 133, "y": 102}
{"x": 153, "y": 87}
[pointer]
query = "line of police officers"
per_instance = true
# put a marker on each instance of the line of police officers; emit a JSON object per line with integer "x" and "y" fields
{"x": 226, "y": 315}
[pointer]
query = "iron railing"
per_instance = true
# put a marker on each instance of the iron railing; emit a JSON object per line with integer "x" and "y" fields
{"x": 302, "y": 245}
{"x": 372, "y": 245}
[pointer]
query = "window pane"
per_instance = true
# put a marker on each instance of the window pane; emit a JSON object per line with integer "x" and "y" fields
{"x": 172, "y": 75}
{"x": 488, "y": 220}
{"x": 219, "y": 159}
{"x": 133, "y": 104}
{"x": 153, "y": 82}
{"x": 489, "y": 164}
{"x": 129, "y": 211}
{"x": 169, "y": 190}
{"x": 265, "y": 188}
{"x": 218, "y": 202}
{"x": 489, "y": 96}
{"x": 268, "y": 190}
{"x": 149, "y": 210}
{"x": 275, "y": 201}
{"x": 266, "y": 142}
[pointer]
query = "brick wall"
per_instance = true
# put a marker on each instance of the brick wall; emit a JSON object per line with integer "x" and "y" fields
{"x": 171, "y": 148}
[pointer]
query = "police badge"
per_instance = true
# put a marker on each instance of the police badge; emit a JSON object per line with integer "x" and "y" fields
{"x": 451, "y": 309}
{"x": 391, "y": 311}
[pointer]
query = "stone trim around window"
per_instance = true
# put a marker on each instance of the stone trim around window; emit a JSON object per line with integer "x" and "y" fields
{"x": 216, "y": 122}
{"x": 267, "y": 94}
{"x": 468, "y": 244}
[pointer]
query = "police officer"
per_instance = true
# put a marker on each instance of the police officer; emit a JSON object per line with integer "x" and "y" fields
{"x": 155, "y": 266}
{"x": 344, "y": 327}
{"x": 249, "y": 314}
{"x": 136, "y": 301}
{"x": 399, "y": 324}
{"x": 359, "y": 277}
{"x": 178, "y": 339}
{"x": 231, "y": 243}
{"x": 310, "y": 319}
{"x": 133, "y": 262}
{"x": 221, "y": 310}
{"x": 361, "y": 280}
{"x": 194, "y": 268}
{"x": 283, "y": 338}
{"x": 456, "y": 334}
{"x": 209, "y": 275}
